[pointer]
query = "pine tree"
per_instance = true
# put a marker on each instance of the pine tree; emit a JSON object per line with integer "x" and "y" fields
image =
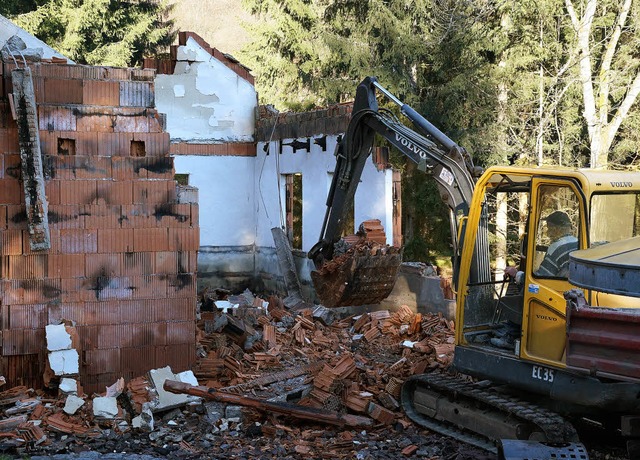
{"x": 101, "y": 32}
{"x": 284, "y": 53}
{"x": 9, "y": 8}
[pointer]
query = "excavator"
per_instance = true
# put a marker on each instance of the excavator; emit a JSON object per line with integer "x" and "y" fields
{"x": 539, "y": 352}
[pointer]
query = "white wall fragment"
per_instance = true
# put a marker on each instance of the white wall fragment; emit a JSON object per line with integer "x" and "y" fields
{"x": 72, "y": 404}
{"x": 144, "y": 421}
{"x": 57, "y": 337}
{"x": 105, "y": 407}
{"x": 187, "y": 377}
{"x": 178, "y": 90}
{"x": 68, "y": 386}
{"x": 166, "y": 400}
{"x": 116, "y": 389}
{"x": 225, "y": 305}
{"x": 64, "y": 362}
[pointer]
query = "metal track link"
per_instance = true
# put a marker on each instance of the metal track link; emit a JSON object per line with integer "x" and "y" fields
{"x": 447, "y": 429}
{"x": 556, "y": 429}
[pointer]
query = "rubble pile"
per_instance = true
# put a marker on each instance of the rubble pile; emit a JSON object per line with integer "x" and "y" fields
{"x": 276, "y": 383}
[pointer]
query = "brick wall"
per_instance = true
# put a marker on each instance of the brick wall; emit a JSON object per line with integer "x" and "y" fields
{"x": 122, "y": 261}
{"x": 290, "y": 125}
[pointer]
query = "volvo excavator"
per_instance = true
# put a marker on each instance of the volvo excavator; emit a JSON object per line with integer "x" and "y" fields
{"x": 538, "y": 353}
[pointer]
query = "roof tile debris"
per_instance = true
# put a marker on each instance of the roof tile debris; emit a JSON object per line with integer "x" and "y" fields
{"x": 251, "y": 356}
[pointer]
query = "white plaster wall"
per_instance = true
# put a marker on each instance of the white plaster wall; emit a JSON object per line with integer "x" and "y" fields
{"x": 373, "y": 198}
{"x": 204, "y": 100}
{"x": 226, "y": 197}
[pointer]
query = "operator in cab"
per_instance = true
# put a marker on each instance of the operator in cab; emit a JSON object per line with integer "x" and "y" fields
{"x": 563, "y": 241}
{"x": 555, "y": 263}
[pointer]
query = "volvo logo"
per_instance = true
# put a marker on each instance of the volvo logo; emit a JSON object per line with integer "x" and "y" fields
{"x": 621, "y": 184}
{"x": 411, "y": 146}
{"x": 546, "y": 318}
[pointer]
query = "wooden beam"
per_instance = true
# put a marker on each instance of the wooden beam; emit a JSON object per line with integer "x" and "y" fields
{"x": 293, "y": 410}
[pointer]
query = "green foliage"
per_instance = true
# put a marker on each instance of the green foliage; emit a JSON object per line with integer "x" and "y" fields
{"x": 425, "y": 217}
{"x": 283, "y": 53}
{"x": 102, "y": 32}
{"x": 314, "y": 52}
{"x": 9, "y": 8}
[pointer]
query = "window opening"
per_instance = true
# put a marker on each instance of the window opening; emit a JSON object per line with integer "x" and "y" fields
{"x": 137, "y": 149}
{"x": 614, "y": 216}
{"x": 182, "y": 179}
{"x": 293, "y": 209}
{"x": 66, "y": 146}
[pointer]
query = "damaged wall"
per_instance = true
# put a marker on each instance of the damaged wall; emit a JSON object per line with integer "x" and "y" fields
{"x": 211, "y": 103}
{"x": 211, "y": 108}
{"x": 205, "y": 100}
{"x": 304, "y": 143}
{"x": 124, "y": 243}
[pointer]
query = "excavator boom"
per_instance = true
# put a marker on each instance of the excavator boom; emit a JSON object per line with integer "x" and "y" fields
{"x": 363, "y": 275}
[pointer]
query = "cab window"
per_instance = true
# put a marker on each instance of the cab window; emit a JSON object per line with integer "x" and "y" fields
{"x": 557, "y": 231}
{"x": 614, "y": 216}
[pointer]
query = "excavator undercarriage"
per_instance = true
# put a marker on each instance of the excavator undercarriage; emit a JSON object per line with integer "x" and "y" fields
{"x": 442, "y": 403}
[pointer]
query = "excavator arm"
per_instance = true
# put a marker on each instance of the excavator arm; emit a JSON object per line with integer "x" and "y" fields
{"x": 370, "y": 279}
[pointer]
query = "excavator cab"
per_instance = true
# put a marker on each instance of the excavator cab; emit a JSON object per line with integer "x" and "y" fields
{"x": 533, "y": 221}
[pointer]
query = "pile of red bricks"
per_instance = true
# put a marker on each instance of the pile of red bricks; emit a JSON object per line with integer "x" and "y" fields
{"x": 124, "y": 239}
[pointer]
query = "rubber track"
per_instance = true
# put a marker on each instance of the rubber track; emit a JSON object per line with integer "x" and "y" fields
{"x": 555, "y": 427}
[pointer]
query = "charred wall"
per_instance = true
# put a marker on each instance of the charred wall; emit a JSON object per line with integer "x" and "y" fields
{"x": 123, "y": 255}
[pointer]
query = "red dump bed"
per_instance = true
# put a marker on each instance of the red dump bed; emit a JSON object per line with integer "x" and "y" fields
{"x": 603, "y": 341}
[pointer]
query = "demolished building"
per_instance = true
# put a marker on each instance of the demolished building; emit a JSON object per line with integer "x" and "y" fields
{"x": 259, "y": 169}
{"x": 256, "y": 168}
{"x": 121, "y": 241}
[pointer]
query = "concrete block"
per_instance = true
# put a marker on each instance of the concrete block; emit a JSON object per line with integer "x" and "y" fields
{"x": 68, "y": 386}
{"x": 418, "y": 287}
{"x": 72, "y": 404}
{"x": 64, "y": 362}
{"x": 57, "y": 337}
{"x": 105, "y": 407}
{"x": 144, "y": 421}
{"x": 165, "y": 399}
{"x": 188, "y": 377}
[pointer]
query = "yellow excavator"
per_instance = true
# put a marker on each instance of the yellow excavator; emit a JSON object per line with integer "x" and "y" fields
{"x": 547, "y": 281}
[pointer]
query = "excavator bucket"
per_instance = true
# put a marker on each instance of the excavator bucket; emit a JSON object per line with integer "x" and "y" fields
{"x": 364, "y": 275}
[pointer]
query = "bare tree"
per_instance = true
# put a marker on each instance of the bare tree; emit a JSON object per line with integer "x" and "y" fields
{"x": 604, "y": 112}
